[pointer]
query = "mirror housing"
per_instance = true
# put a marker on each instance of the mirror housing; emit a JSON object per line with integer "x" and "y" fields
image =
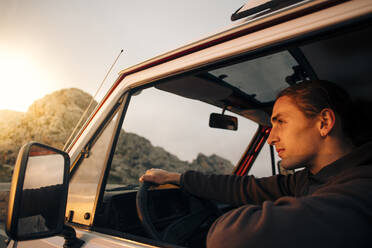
{"x": 38, "y": 193}
{"x": 223, "y": 121}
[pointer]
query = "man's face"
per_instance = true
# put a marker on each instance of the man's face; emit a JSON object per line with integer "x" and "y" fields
{"x": 296, "y": 137}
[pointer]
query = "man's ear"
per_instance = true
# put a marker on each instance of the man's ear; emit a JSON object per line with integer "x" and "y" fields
{"x": 327, "y": 121}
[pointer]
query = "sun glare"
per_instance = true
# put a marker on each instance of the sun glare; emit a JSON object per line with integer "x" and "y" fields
{"x": 21, "y": 82}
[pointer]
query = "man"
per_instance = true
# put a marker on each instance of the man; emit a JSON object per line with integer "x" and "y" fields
{"x": 327, "y": 204}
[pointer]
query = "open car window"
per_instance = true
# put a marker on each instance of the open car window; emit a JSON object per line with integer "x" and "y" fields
{"x": 262, "y": 167}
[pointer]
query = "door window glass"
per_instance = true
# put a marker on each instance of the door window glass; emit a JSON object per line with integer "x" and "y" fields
{"x": 85, "y": 182}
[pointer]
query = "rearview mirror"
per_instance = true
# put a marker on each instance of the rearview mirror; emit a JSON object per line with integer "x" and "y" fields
{"x": 38, "y": 193}
{"x": 223, "y": 121}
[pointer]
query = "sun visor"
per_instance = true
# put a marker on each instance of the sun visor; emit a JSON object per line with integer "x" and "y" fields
{"x": 257, "y": 115}
{"x": 196, "y": 88}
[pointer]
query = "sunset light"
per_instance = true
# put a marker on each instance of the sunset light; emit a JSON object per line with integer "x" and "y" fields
{"x": 21, "y": 80}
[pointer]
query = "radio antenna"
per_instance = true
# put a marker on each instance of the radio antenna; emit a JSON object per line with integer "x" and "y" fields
{"x": 91, "y": 101}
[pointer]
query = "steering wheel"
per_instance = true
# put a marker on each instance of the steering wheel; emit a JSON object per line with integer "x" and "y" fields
{"x": 179, "y": 230}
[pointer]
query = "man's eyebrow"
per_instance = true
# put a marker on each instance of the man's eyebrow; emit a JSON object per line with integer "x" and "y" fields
{"x": 275, "y": 117}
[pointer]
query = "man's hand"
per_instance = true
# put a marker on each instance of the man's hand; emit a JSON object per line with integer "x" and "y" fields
{"x": 160, "y": 176}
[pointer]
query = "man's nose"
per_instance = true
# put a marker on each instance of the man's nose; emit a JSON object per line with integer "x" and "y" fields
{"x": 273, "y": 137}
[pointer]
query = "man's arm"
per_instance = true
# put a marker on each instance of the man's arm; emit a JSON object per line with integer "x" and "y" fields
{"x": 238, "y": 190}
{"x": 338, "y": 216}
{"x": 231, "y": 189}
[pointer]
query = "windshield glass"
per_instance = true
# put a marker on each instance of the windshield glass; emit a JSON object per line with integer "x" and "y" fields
{"x": 165, "y": 130}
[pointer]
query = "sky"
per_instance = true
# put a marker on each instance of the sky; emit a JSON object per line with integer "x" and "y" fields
{"x": 46, "y": 45}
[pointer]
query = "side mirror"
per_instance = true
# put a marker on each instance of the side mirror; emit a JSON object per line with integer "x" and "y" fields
{"x": 38, "y": 193}
{"x": 223, "y": 121}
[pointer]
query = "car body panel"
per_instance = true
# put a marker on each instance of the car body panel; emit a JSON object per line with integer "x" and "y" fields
{"x": 92, "y": 240}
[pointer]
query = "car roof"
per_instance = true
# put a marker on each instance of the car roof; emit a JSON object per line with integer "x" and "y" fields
{"x": 244, "y": 26}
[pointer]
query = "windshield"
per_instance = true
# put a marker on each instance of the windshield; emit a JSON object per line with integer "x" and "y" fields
{"x": 164, "y": 130}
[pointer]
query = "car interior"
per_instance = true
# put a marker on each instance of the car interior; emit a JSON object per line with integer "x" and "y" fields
{"x": 245, "y": 85}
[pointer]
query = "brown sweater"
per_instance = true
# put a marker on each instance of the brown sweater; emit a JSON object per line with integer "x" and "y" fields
{"x": 330, "y": 209}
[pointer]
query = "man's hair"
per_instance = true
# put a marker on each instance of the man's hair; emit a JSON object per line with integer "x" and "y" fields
{"x": 312, "y": 96}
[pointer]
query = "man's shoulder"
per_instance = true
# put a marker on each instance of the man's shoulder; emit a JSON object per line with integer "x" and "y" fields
{"x": 353, "y": 185}
{"x": 355, "y": 173}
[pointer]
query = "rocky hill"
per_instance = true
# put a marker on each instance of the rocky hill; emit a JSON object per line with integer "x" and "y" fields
{"x": 50, "y": 120}
{"x": 9, "y": 118}
{"x": 135, "y": 154}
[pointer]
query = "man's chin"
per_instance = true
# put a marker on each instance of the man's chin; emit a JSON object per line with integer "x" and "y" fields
{"x": 291, "y": 164}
